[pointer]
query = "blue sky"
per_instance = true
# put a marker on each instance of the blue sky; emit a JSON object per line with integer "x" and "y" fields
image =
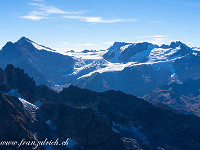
{"x": 96, "y": 24}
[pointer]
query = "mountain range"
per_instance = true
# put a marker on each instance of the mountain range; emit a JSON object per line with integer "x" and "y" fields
{"x": 142, "y": 69}
{"x": 88, "y": 120}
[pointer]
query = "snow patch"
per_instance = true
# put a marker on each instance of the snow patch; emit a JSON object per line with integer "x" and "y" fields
{"x": 109, "y": 67}
{"x": 175, "y": 79}
{"x": 130, "y": 129}
{"x": 195, "y": 54}
{"x": 160, "y": 54}
{"x": 124, "y": 47}
{"x": 143, "y": 55}
{"x": 29, "y": 107}
{"x": 92, "y": 55}
{"x": 40, "y": 47}
{"x": 196, "y": 49}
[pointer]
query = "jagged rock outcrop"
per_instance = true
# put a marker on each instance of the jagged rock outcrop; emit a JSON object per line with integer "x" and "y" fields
{"x": 14, "y": 123}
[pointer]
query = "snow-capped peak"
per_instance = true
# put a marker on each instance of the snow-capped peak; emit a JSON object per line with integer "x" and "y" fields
{"x": 25, "y": 40}
{"x": 40, "y": 47}
{"x": 196, "y": 49}
{"x": 137, "y": 54}
{"x": 118, "y": 45}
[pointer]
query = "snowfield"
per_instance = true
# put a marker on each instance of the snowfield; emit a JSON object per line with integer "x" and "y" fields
{"x": 157, "y": 57}
{"x": 89, "y": 62}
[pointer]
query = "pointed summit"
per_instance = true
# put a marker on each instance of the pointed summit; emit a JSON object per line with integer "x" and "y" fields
{"x": 32, "y": 45}
{"x": 175, "y": 45}
{"x": 9, "y": 47}
{"x": 8, "y": 44}
{"x": 178, "y": 43}
{"x": 118, "y": 45}
{"x": 23, "y": 40}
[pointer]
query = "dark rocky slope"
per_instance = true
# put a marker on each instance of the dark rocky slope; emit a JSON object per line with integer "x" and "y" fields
{"x": 98, "y": 121}
{"x": 183, "y": 97}
{"x": 14, "y": 122}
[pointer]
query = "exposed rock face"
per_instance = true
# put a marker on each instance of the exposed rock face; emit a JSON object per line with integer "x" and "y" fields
{"x": 14, "y": 122}
{"x": 96, "y": 121}
{"x": 46, "y": 66}
{"x": 15, "y": 78}
{"x": 91, "y": 130}
{"x": 182, "y": 97}
{"x": 145, "y": 121}
{"x": 187, "y": 67}
{"x": 135, "y": 49}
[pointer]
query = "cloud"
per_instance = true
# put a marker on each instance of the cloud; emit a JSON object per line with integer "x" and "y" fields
{"x": 43, "y": 8}
{"x": 152, "y": 36}
{"x": 99, "y": 19}
{"x": 33, "y": 16}
{"x": 108, "y": 43}
{"x": 155, "y": 21}
{"x": 154, "y": 39}
{"x": 44, "y": 11}
{"x": 65, "y": 43}
{"x": 158, "y": 41}
{"x": 88, "y": 44}
{"x": 84, "y": 44}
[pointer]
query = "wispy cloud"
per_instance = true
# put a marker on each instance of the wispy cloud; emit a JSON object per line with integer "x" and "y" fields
{"x": 34, "y": 16}
{"x": 84, "y": 44}
{"x": 152, "y": 36}
{"x": 99, "y": 19}
{"x": 155, "y": 39}
{"x": 108, "y": 43}
{"x": 154, "y": 21}
{"x": 88, "y": 44}
{"x": 43, "y": 11}
{"x": 63, "y": 44}
{"x": 158, "y": 41}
